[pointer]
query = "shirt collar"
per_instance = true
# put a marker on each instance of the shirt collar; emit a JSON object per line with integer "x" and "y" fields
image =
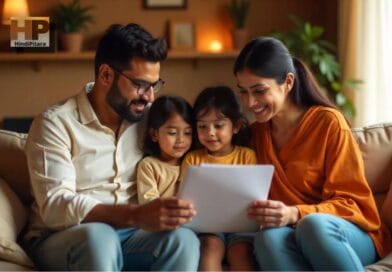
{"x": 86, "y": 111}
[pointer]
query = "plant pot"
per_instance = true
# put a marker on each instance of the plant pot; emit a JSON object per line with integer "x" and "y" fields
{"x": 71, "y": 42}
{"x": 240, "y": 38}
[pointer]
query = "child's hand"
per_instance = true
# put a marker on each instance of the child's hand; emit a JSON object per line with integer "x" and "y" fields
{"x": 271, "y": 213}
{"x": 164, "y": 214}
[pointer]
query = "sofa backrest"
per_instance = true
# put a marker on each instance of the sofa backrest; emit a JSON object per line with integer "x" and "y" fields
{"x": 375, "y": 143}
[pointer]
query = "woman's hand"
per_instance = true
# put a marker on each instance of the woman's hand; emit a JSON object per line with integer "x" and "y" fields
{"x": 271, "y": 213}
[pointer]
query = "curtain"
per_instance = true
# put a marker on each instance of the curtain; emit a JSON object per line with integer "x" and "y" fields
{"x": 365, "y": 44}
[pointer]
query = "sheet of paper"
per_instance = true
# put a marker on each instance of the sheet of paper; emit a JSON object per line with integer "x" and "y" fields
{"x": 222, "y": 193}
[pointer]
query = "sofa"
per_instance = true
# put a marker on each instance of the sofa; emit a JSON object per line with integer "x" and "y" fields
{"x": 375, "y": 143}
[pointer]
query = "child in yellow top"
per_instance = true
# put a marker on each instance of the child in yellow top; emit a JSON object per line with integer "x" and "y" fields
{"x": 168, "y": 137}
{"x": 221, "y": 129}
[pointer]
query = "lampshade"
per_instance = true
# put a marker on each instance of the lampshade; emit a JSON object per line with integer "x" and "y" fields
{"x": 14, "y": 8}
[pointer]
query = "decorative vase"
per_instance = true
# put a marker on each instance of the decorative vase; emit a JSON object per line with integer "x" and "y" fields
{"x": 240, "y": 37}
{"x": 71, "y": 42}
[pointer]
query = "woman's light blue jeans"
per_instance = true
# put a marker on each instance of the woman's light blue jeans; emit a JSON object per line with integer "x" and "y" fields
{"x": 319, "y": 242}
{"x": 99, "y": 247}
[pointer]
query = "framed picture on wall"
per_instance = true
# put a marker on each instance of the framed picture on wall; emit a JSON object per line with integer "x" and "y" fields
{"x": 181, "y": 35}
{"x": 164, "y": 4}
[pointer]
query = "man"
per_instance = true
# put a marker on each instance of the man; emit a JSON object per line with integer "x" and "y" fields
{"x": 82, "y": 155}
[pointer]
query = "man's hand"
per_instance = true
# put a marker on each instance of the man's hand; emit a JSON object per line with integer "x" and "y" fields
{"x": 271, "y": 213}
{"x": 163, "y": 214}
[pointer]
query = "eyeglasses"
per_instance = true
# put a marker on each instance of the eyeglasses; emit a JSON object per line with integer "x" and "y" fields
{"x": 142, "y": 86}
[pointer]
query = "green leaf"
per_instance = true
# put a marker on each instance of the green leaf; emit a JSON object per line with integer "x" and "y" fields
{"x": 72, "y": 17}
{"x": 317, "y": 32}
{"x": 336, "y": 86}
{"x": 308, "y": 30}
{"x": 340, "y": 99}
{"x": 352, "y": 84}
{"x": 348, "y": 109}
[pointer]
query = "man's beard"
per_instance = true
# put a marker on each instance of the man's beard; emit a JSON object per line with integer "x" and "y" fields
{"x": 122, "y": 106}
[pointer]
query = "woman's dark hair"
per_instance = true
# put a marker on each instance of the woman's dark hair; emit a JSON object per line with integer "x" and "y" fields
{"x": 161, "y": 110}
{"x": 268, "y": 57}
{"x": 223, "y": 100}
{"x": 123, "y": 42}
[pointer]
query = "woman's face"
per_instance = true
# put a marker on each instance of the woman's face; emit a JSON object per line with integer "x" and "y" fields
{"x": 264, "y": 97}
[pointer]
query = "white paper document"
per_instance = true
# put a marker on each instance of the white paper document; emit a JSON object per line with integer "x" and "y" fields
{"x": 221, "y": 195}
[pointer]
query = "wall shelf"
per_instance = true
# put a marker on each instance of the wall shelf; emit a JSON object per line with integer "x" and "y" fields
{"x": 89, "y": 55}
{"x": 38, "y": 58}
{"x": 202, "y": 55}
{"x": 57, "y": 56}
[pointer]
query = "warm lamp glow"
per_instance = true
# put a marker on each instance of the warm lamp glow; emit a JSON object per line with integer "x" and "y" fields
{"x": 14, "y": 8}
{"x": 216, "y": 46}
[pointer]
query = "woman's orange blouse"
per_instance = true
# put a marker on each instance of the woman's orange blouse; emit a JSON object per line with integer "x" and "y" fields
{"x": 320, "y": 169}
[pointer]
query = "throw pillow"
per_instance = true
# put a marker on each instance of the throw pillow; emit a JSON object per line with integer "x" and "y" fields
{"x": 12, "y": 252}
{"x": 12, "y": 213}
{"x": 12, "y": 219}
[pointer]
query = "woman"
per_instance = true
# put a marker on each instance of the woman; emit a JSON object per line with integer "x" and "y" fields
{"x": 321, "y": 214}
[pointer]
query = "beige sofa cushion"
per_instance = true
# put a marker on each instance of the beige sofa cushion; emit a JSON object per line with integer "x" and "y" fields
{"x": 13, "y": 164}
{"x": 384, "y": 264}
{"x": 12, "y": 219}
{"x": 13, "y": 253}
{"x": 386, "y": 213}
{"x": 12, "y": 213}
{"x": 7, "y": 266}
{"x": 375, "y": 143}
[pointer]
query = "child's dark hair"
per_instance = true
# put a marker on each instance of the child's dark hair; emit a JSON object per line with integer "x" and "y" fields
{"x": 224, "y": 101}
{"x": 161, "y": 110}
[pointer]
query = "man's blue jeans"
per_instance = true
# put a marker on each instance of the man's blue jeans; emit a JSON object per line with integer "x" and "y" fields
{"x": 98, "y": 246}
{"x": 319, "y": 242}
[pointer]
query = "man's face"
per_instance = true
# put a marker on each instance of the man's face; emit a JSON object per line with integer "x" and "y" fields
{"x": 125, "y": 96}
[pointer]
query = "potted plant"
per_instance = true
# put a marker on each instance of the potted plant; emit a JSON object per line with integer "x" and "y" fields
{"x": 306, "y": 43}
{"x": 238, "y": 10}
{"x": 70, "y": 20}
